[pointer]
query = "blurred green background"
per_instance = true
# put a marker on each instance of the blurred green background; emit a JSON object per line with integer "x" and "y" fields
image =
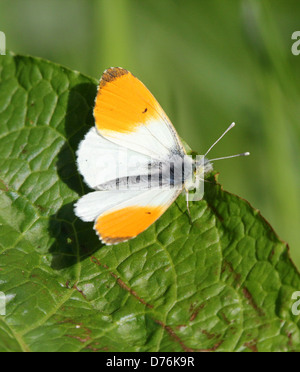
{"x": 208, "y": 63}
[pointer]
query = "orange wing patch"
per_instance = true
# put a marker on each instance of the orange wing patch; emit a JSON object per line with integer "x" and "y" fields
{"x": 123, "y": 103}
{"x": 126, "y": 223}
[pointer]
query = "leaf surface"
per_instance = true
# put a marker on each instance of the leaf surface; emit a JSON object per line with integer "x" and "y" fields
{"x": 222, "y": 283}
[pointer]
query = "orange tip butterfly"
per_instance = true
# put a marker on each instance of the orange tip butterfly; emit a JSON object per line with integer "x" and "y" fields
{"x": 134, "y": 160}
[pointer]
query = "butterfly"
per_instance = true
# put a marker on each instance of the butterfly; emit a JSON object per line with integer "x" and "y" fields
{"x": 134, "y": 160}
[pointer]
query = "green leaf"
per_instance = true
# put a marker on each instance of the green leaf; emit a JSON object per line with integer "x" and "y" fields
{"x": 223, "y": 282}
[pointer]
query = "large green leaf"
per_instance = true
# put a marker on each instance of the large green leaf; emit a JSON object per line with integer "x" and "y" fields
{"x": 223, "y": 282}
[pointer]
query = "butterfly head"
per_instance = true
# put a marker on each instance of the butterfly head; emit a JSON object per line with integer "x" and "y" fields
{"x": 202, "y": 166}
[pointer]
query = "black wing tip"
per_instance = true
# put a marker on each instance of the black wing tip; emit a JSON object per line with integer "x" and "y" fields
{"x": 111, "y": 74}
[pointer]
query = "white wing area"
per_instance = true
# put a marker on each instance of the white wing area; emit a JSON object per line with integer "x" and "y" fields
{"x": 100, "y": 160}
{"x": 156, "y": 138}
{"x": 91, "y": 205}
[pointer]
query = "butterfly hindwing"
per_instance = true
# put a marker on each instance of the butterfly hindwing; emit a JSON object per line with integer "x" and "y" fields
{"x": 120, "y": 216}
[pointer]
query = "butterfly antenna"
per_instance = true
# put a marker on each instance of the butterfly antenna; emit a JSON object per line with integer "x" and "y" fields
{"x": 231, "y": 156}
{"x": 227, "y": 130}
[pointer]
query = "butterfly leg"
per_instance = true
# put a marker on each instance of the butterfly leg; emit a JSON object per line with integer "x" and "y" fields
{"x": 187, "y": 204}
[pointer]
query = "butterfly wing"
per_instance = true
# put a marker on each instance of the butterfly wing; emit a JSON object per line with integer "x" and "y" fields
{"x": 129, "y": 124}
{"x": 122, "y": 215}
{"x": 101, "y": 161}
{"x": 127, "y": 114}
